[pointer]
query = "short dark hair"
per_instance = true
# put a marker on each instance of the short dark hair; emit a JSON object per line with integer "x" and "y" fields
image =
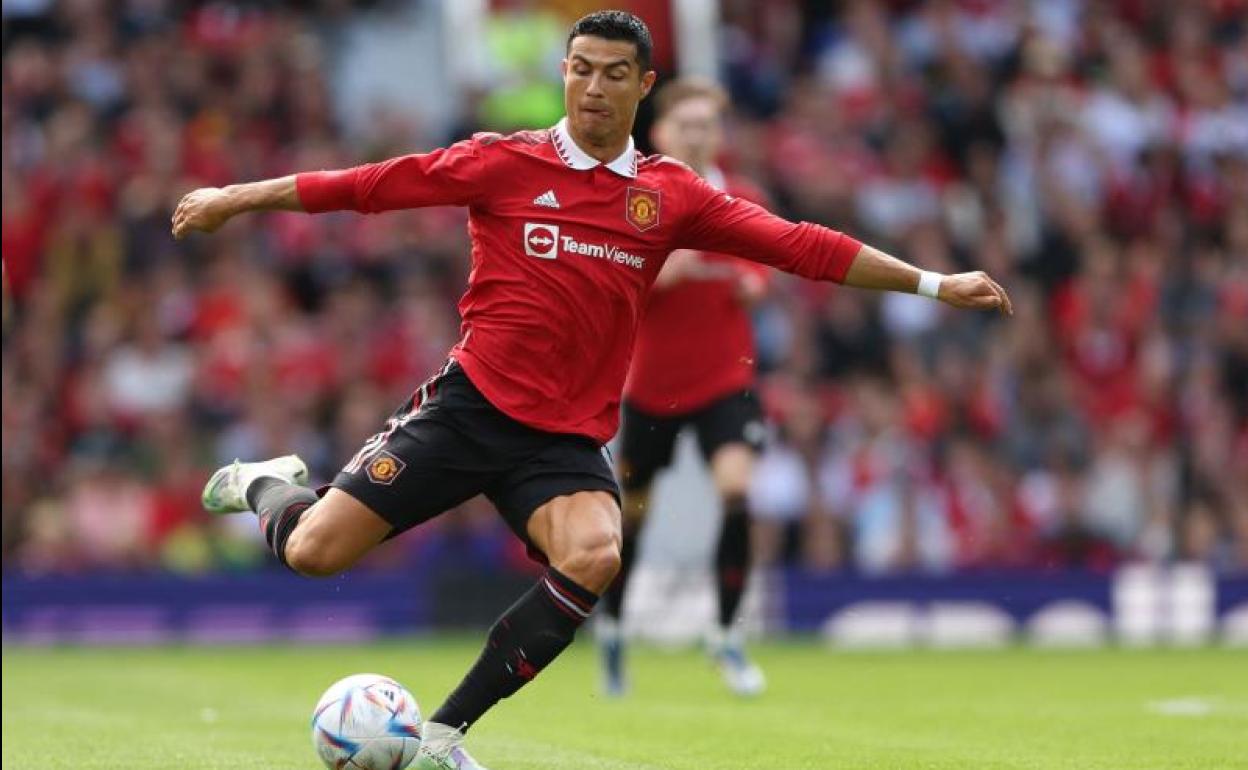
{"x": 683, "y": 89}
{"x": 616, "y": 25}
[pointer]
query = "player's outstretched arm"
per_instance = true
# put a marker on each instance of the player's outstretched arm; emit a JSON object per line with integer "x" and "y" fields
{"x": 208, "y": 208}
{"x": 450, "y": 176}
{"x": 873, "y": 269}
{"x": 719, "y": 222}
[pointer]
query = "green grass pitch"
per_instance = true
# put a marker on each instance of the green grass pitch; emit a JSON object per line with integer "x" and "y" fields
{"x": 241, "y": 708}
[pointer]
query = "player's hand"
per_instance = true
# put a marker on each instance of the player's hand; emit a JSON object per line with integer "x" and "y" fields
{"x": 975, "y": 291}
{"x": 751, "y": 288}
{"x": 204, "y": 209}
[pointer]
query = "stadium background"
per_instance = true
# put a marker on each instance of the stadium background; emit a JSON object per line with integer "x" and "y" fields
{"x": 960, "y": 471}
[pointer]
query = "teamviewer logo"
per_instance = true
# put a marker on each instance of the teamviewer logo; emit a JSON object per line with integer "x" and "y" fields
{"x": 541, "y": 241}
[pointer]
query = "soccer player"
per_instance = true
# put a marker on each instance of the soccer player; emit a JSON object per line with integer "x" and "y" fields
{"x": 569, "y": 228}
{"x": 693, "y": 364}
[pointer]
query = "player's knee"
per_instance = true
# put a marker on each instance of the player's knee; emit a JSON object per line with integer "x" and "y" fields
{"x": 311, "y": 564}
{"x": 595, "y": 562}
{"x": 733, "y": 490}
{"x": 598, "y": 566}
{"x": 312, "y": 556}
{"x": 732, "y": 467}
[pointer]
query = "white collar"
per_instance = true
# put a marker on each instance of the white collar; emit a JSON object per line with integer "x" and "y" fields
{"x": 575, "y": 157}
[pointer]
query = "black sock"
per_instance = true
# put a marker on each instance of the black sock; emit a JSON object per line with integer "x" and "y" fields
{"x": 279, "y": 505}
{"x": 521, "y": 643}
{"x": 613, "y": 599}
{"x": 732, "y": 558}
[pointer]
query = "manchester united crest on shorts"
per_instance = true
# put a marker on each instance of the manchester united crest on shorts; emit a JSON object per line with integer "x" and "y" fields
{"x": 642, "y": 208}
{"x": 384, "y": 468}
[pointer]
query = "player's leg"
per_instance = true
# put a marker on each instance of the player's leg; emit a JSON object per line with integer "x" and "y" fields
{"x": 730, "y": 432}
{"x": 732, "y": 466}
{"x": 580, "y": 535}
{"x": 398, "y": 479}
{"x": 311, "y": 536}
{"x": 563, "y": 503}
{"x": 332, "y": 535}
{"x": 645, "y": 448}
{"x": 609, "y": 626}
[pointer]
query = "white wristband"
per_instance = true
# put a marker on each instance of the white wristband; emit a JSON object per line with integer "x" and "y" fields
{"x": 929, "y": 284}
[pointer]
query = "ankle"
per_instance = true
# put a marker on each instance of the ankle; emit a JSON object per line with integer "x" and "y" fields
{"x": 724, "y": 637}
{"x": 256, "y": 487}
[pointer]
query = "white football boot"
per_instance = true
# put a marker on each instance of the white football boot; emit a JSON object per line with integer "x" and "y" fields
{"x": 743, "y": 677}
{"x": 441, "y": 749}
{"x": 226, "y": 491}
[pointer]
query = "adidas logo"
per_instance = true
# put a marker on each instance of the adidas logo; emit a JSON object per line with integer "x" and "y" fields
{"x": 547, "y": 199}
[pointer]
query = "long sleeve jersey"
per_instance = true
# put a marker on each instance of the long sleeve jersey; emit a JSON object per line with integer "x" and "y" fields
{"x": 564, "y": 251}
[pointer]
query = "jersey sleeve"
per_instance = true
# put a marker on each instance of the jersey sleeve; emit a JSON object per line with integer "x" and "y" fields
{"x": 449, "y": 176}
{"x": 754, "y": 272}
{"x": 716, "y": 221}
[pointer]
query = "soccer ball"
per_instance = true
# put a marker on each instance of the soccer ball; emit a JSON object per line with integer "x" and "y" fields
{"x": 366, "y": 722}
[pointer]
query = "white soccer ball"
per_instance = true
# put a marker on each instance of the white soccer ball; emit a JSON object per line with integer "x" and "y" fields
{"x": 366, "y": 722}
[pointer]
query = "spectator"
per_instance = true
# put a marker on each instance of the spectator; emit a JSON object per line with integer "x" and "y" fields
{"x": 1100, "y": 169}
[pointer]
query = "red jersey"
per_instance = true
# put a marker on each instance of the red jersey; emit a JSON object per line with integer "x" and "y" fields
{"x": 564, "y": 250}
{"x": 695, "y": 343}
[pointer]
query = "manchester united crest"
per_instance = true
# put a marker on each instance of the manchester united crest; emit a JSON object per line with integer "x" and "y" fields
{"x": 384, "y": 468}
{"x": 642, "y": 208}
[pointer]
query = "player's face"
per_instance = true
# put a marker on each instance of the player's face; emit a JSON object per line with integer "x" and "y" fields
{"x": 602, "y": 86}
{"x": 691, "y": 132}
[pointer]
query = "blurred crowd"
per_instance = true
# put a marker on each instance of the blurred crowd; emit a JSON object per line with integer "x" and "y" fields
{"x": 1092, "y": 156}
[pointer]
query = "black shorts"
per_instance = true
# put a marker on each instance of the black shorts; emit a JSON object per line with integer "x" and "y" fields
{"x": 647, "y": 441}
{"x": 448, "y": 444}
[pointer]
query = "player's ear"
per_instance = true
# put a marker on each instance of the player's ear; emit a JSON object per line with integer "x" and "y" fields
{"x": 647, "y": 83}
{"x": 563, "y": 69}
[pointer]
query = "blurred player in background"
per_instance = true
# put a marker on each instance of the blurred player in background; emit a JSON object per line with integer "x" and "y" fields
{"x": 693, "y": 366}
{"x": 569, "y": 227}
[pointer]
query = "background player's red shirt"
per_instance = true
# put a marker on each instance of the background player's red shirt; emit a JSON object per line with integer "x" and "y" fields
{"x": 564, "y": 250}
{"x": 695, "y": 342}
